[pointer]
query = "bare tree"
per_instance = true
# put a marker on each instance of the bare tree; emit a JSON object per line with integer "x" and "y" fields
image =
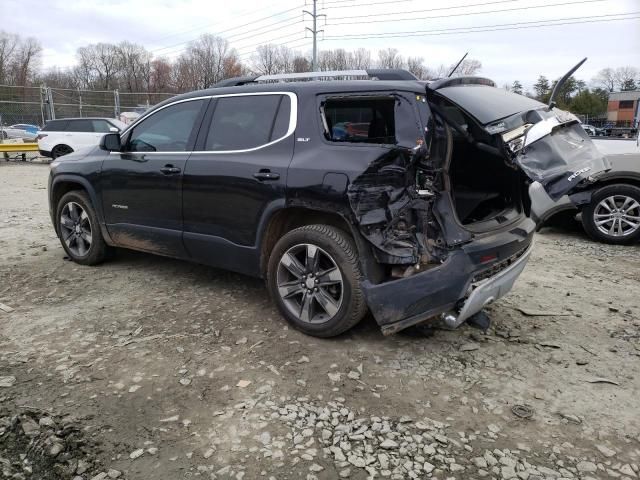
{"x": 98, "y": 66}
{"x": 301, "y": 64}
{"x": 160, "y": 76}
{"x": 606, "y": 79}
{"x": 416, "y": 66}
{"x": 28, "y": 60}
{"x": 361, "y": 59}
{"x": 469, "y": 66}
{"x": 134, "y": 66}
{"x": 390, "y": 58}
{"x": 625, "y": 78}
{"x": 8, "y": 44}
{"x": 266, "y": 59}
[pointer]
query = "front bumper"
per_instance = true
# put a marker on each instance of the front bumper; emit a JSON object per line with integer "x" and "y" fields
{"x": 45, "y": 153}
{"x": 449, "y": 288}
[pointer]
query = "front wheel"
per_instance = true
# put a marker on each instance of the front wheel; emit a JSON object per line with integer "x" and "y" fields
{"x": 613, "y": 216}
{"x": 79, "y": 230}
{"x": 314, "y": 278}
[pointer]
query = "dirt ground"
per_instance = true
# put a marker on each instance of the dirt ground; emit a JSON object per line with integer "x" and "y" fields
{"x": 150, "y": 368}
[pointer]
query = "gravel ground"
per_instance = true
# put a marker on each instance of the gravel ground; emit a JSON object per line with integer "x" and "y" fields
{"x": 147, "y": 367}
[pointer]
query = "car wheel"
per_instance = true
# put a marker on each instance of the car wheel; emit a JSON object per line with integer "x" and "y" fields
{"x": 79, "y": 230}
{"x": 60, "y": 150}
{"x": 314, "y": 278}
{"x": 613, "y": 215}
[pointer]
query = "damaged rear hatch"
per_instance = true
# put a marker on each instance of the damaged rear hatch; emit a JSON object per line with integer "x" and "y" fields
{"x": 546, "y": 143}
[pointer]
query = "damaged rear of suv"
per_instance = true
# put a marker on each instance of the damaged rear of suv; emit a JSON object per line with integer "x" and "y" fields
{"x": 416, "y": 201}
{"x": 439, "y": 180}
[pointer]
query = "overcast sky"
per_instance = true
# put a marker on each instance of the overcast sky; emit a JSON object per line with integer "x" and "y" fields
{"x": 166, "y": 26}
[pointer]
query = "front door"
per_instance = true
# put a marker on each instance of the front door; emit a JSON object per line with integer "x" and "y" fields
{"x": 237, "y": 173}
{"x": 142, "y": 184}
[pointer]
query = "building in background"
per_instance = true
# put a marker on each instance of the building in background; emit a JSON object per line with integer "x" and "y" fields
{"x": 623, "y": 108}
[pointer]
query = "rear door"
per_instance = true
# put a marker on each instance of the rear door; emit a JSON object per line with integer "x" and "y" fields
{"x": 549, "y": 145}
{"x": 237, "y": 173}
{"x": 142, "y": 184}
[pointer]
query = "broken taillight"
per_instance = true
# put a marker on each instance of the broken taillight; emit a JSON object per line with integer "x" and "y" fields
{"x": 488, "y": 258}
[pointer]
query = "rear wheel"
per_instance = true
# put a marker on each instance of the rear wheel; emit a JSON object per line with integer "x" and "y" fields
{"x": 314, "y": 279}
{"x": 613, "y": 216}
{"x": 60, "y": 150}
{"x": 79, "y": 230}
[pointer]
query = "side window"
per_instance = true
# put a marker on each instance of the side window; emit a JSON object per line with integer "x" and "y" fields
{"x": 167, "y": 130}
{"x": 100, "y": 126}
{"x": 360, "y": 119}
{"x": 56, "y": 126}
{"x": 80, "y": 126}
{"x": 245, "y": 122}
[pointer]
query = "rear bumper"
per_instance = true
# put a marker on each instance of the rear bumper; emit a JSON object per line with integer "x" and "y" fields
{"x": 450, "y": 288}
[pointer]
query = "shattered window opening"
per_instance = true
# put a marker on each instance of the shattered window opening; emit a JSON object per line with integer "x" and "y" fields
{"x": 360, "y": 119}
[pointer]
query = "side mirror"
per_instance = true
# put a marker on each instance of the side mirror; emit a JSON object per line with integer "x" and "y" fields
{"x": 114, "y": 129}
{"x": 111, "y": 142}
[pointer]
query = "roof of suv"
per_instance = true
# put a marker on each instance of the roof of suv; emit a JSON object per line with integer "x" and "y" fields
{"x": 317, "y": 86}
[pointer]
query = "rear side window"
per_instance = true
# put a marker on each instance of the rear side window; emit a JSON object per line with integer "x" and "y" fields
{"x": 167, "y": 130}
{"x": 245, "y": 122}
{"x": 360, "y": 119}
{"x": 56, "y": 126}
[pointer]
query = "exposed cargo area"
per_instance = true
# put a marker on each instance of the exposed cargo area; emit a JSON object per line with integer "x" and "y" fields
{"x": 486, "y": 191}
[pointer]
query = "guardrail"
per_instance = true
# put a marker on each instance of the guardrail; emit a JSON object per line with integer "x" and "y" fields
{"x": 20, "y": 149}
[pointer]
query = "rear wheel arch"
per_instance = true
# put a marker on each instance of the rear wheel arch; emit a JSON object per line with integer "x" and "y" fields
{"x": 61, "y": 147}
{"x": 287, "y": 219}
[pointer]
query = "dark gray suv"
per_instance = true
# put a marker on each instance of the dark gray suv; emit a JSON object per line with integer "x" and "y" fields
{"x": 408, "y": 199}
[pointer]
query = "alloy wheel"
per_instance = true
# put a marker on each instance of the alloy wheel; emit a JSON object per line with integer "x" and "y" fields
{"x": 617, "y": 215}
{"x": 310, "y": 283}
{"x": 75, "y": 229}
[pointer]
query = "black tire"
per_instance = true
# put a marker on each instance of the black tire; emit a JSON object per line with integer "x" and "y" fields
{"x": 60, "y": 150}
{"x": 592, "y": 209}
{"x": 97, "y": 248}
{"x": 337, "y": 247}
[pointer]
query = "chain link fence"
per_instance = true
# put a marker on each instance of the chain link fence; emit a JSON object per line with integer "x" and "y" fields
{"x": 36, "y": 105}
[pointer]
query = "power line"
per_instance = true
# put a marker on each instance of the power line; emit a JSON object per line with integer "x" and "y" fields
{"x": 461, "y": 14}
{"x": 296, "y": 43}
{"x": 208, "y": 25}
{"x": 374, "y": 3}
{"x": 482, "y": 28}
{"x": 422, "y": 10}
{"x": 245, "y": 36}
{"x": 232, "y": 28}
{"x": 242, "y": 51}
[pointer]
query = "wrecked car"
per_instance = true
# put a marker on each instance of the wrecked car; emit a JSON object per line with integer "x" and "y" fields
{"x": 408, "y": 199}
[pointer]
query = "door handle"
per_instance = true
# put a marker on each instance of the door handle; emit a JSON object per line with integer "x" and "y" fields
{"x": 169, "y": 169}
{"x": 266, "y": 175}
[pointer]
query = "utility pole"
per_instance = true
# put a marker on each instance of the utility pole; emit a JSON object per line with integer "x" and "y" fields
{"x": 314, "y": 31}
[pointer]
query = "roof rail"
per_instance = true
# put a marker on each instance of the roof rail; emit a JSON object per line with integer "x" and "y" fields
{"x": 369, "y": 74}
